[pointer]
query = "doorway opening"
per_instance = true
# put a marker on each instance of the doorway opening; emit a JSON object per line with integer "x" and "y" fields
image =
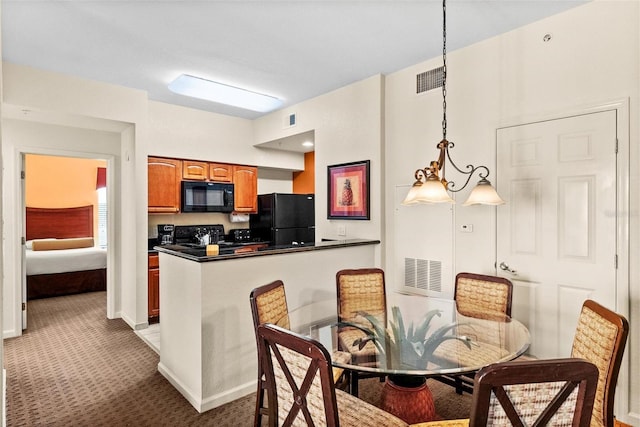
{"x": 65, "y": 213}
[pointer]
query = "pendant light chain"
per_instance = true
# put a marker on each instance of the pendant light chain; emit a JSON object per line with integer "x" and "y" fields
{"x": 431, "y": 186}
{"x": 444, "y": 69}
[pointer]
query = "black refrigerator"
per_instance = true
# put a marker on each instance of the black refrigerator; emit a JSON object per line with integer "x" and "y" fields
{"x": 284, "y": 219}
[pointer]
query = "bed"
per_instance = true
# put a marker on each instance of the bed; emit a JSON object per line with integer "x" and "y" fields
{"x": 61, "y": 258}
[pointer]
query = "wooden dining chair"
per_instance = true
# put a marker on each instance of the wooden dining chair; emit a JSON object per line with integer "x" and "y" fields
{"x": 600, "y": 338}
{"x": 479, "y": 296}
{"x": 300, "y": 386}
{"x": 269, "y": 305}
{"x": 553, "y": 392}
{"x": 558, "y": 392}
{"x": 360, "y": 291}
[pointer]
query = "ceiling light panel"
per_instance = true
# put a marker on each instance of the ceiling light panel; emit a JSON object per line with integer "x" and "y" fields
{"x": 197, "y": 87}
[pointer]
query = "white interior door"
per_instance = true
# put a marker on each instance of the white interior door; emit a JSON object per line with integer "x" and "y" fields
{"x": 557, "y": 233}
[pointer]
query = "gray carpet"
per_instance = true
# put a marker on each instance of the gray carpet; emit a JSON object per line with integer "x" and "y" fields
{"x": 73, "y": 366}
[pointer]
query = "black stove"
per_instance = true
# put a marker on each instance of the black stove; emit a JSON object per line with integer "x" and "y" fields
{"x": 194, "y": 235}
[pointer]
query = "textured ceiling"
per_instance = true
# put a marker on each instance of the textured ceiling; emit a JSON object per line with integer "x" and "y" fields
{"x": 294, "y": 50}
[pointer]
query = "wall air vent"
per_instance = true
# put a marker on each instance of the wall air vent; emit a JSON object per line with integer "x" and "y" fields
{"x": 422, "y": 276}
{"x": 429, "y": 80}
{"x": 289, "y": 120}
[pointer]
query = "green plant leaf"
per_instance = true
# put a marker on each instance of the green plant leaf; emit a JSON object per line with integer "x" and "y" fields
{"x": 421, "y": 331}
{"x": 439, "y": 336}
{"x": 378, "y": 327}
{"x": 397, "y": 318}
{"x": 410, "y": 333}
{"x": 371, "y": 335}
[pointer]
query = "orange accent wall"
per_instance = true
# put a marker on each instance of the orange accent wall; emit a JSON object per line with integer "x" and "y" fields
{"x": 61, "y": 182}
{"x": 305, "y": 182}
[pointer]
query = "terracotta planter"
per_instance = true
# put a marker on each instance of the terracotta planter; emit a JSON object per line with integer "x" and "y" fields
{"x": 408, "y": 398}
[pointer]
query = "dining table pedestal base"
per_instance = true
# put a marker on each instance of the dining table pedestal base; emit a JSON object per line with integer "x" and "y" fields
{"x": 408, "y": 398}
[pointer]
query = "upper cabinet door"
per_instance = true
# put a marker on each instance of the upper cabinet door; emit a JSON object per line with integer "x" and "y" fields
{"x": 193, "y": 170}
{"x": 164, "y": 176}
{"x": 245, "y": 180}
{"x": 220, "y": 172}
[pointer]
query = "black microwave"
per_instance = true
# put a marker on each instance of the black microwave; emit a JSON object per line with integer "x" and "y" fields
{"x": 200, "y": 196}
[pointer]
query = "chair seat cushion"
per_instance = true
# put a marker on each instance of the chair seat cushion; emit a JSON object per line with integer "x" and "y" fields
{"x": 355, "y": 412}
{"x": 368, "y": 354}
{"x": 456, "y": 353}
{"x": 341, "y": 357}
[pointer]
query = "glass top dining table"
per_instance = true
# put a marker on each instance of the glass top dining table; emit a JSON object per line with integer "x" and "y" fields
{"x": 423, "y": 336}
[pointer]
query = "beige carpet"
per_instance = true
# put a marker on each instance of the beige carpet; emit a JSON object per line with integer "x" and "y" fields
{"x": 75, "y": 367}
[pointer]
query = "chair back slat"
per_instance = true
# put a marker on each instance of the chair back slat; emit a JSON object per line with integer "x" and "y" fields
{"x": 361, "y": 290}
{"x": 482, "y": 296}
{"x": 269, "y": 305}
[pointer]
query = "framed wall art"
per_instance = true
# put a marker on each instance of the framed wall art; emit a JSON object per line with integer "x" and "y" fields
{"x": 348, "y": 191}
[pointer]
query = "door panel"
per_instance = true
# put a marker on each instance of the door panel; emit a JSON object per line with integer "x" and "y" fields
{"x": 557, "y": 233}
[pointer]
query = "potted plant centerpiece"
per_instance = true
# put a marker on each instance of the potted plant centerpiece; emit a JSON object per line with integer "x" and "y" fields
{"x": 402, "y": 348}
{"x": 410, "y": 348}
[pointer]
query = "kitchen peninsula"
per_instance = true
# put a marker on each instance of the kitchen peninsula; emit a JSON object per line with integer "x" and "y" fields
{"x": 207, "y": 342}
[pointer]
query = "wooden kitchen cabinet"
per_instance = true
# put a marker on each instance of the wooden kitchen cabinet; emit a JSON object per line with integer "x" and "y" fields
{"x": 153, "y": 310}
{"x": 245, "y": 180}
{"x": 197, "y": 171}
{"x": 220, "y": 172}
{"x": 164, "y": 177}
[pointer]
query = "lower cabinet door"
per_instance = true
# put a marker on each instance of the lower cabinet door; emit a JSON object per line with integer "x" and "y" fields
{"x": 154, "y": 294}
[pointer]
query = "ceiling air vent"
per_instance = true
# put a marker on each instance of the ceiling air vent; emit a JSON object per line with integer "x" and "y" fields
{"x": 429, "y": 80}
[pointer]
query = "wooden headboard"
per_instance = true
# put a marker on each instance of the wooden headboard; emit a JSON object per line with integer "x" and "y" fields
{"x": 62, "y": 223}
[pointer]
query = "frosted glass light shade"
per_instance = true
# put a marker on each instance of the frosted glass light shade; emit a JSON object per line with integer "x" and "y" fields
{"x": 197, "y": 87}
{"x": 431, "y": 191}
{"x": 484, "y": 194}
{"x": 412, "y": 195}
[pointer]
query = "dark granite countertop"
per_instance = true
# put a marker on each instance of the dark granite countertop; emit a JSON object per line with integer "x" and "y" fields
{"x": 200, "y": 254}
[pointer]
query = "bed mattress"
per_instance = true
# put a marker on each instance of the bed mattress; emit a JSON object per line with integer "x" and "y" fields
{"x": 65, "y": 260}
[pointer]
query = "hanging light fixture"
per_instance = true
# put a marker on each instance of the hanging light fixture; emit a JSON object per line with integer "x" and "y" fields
{"x": 430, "y": 187}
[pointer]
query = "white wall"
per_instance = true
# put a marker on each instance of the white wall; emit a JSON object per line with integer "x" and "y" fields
{"x": 274, "y": 181}
{"x": 62, "y": 110}
{"x": 511, "y": 79}
{"x": 348, "y": 128}
{"x": 181, "y": 132}
{"x": 20, "y": 136}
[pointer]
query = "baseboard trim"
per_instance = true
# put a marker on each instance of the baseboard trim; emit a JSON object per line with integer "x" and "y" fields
{"x": 10, "y": 333}
{"x": 192, "y": 398}
{"x": 133, "y": 325}
{"x": 203, "y": 405}
{"x": 228, "y": 396}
